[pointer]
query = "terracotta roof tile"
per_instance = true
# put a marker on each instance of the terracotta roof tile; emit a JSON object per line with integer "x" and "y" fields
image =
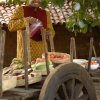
{"x": 58, "y": 15}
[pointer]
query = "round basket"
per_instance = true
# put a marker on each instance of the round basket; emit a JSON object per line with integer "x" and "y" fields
{"x": 58, "y": 58}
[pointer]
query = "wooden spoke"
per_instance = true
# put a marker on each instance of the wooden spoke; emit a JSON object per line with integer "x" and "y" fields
{"x": 65, "y": 92}
{"x": 78, "y": 90}
{"x": 72, "y": 88}
{"x": 84, "y": 97}
{"x": 58, "y": 97}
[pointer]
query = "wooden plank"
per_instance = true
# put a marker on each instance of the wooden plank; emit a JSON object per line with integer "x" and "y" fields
{"x": 11, "y": 97}
{"x": 74, "y": 48}
{"x": 97, "y": 85}
{"x": 8, "y": 96}
{"x": 22, "y": 90}
{"x": 23, "y": 93}
{"x": 2, "y": 46}
{"x": 71, "y": 49}
{"x": 73, "y": 54}
{"x": 27, "y": 57}
{"x": 94, "y": 50}
{"x": 51, "y": 41}
{"x": 90, "y": 53}
{"x": 43, "y": 31}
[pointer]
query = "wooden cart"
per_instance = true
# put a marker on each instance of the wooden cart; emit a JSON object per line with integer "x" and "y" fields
{"x": 68, "y": 81}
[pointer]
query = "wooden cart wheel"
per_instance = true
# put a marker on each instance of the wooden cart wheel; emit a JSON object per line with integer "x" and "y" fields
{"x": 68, "y": 82}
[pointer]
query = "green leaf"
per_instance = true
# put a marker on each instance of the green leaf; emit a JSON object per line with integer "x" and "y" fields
{"x": 59, "y": 3}
{"x": 97, "y": 12}
{"x": 10, "y": 2}
{"x": 96, "y": 23}
{"x": 19, "y": 2}
{"x": 44, "y": 3}
{"x": 15, "y": 2}
{"x": 77, "y": 29}
{"x": 70, "y": 24}
{"x": 85, "y": 29}
{"x": 88, "y": 18}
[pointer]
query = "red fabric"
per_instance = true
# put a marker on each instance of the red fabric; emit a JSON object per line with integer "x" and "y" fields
{"x": 30, "y": 11}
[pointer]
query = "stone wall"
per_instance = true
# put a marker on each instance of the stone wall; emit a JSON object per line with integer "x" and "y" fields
{"x": 61, "y": 40}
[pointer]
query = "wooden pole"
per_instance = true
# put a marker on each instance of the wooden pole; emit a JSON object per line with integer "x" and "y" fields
{"x": 71, "y": 50}
{"x": 27, "y": 56}
{"x": 2, "y": 46}
{"x": 51, "y": 42}
{"x": 74, "y": 48}
{"x": 95, "y": 54}
{"x": 90, "y": 53}
{"x": 43, "y": 32}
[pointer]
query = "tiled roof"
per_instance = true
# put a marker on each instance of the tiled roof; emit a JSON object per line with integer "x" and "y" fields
{"x": 58, "y": 15}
